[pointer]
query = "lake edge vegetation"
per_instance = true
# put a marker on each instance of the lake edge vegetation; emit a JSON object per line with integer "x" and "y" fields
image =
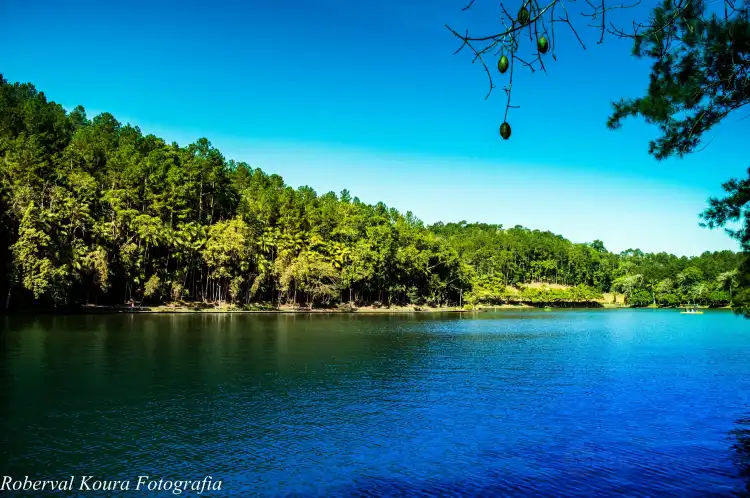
{"x": 95, "y": 212}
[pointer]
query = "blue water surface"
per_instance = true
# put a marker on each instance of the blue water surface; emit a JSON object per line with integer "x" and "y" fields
{"x": 512, "y": 403}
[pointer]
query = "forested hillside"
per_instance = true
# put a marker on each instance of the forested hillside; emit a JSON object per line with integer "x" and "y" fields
{"x": 94, "y": 211}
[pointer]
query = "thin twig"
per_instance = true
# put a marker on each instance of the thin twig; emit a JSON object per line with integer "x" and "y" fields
{"x": 508, "y": 90}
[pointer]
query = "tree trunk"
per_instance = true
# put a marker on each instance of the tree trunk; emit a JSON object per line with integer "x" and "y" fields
{"x": 200, "y": 204}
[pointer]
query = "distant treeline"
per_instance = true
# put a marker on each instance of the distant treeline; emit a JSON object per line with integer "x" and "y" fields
{"x": 93, "y": 211}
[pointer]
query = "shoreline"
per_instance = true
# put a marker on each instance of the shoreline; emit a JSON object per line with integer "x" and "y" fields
{"x": 370, "y": 310}
{"x": 364, "y": 310}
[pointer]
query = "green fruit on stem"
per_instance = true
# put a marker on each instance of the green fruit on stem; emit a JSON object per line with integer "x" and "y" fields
{"x": 542, "y": 45}
{"x": 523, "y": 16}
{"x": 505, "y": 131}
{"x": 502, "y": 64}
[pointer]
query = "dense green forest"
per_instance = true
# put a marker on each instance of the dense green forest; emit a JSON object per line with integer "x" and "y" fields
{"x": 93, "y": 211}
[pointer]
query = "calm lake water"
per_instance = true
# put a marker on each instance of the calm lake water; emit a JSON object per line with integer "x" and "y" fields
{"x": 568, "y": 403}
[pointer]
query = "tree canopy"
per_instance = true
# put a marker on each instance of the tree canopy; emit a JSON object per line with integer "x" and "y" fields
{"x": 700, "y": 73}
{"x": 94, "y": 211}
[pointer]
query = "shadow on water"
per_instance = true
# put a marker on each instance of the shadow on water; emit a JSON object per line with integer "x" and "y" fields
{"x": 741, "y": 447}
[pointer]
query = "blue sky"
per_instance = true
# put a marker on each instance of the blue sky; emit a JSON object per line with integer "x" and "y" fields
{"x": 368, "y": 96}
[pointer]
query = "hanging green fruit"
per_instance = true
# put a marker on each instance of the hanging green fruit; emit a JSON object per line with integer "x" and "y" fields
{"x": 505, "y": 130}
{"x": 542, "y": 45}
{"x": 502, "y": 64}
{"x": 523, "y": 16}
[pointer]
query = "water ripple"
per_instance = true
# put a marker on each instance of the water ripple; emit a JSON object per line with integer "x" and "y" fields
{"x": 521, "y": 404}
